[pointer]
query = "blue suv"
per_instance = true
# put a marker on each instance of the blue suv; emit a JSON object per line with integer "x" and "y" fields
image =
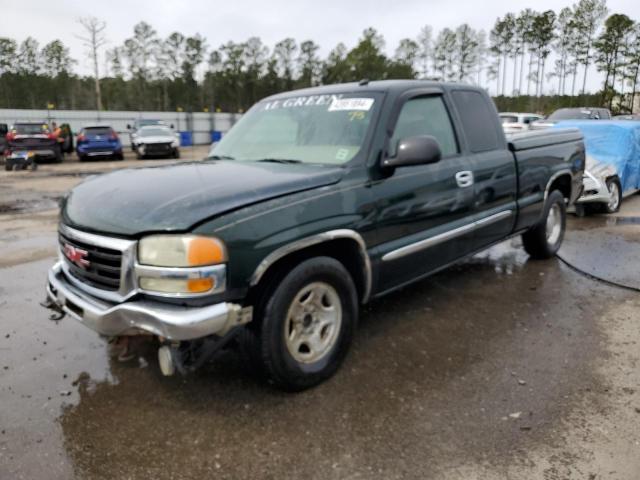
{"x": 98, "y": 142}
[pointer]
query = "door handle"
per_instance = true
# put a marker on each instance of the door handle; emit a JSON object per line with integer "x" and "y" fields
{"x": 464, "y": 179}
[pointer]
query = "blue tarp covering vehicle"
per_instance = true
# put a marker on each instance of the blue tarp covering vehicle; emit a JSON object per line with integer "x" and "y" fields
{"x": 613, "y": 160}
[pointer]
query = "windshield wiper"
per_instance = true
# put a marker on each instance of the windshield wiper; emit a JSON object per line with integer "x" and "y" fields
{"x": 221, "y": 157}
{"x": 279, "y": 160}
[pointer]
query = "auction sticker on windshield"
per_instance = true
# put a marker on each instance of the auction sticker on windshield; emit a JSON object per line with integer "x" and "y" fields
{"x": 342, "y": 104}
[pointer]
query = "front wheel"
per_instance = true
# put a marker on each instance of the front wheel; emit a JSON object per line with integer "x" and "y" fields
{"x": 308, "y": 323}
{"x": 615, "y": 196}
{"x": 544, "y": 240}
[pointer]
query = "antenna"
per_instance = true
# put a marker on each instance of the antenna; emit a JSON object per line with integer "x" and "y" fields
{"x": 363, "y": 82}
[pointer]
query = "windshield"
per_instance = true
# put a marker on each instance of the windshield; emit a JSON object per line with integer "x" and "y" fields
{"x": 325, "y": 129}
{"x": 31, "y": 128}
{"x": 154, "y": 132}
{"x": 144, "y": 123}
{"x": 573, "y": 114}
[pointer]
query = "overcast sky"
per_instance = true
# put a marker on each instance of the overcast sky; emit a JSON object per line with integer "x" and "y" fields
{"x": 327, "y": 22}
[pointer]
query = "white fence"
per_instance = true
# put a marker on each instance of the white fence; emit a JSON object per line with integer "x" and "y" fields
{"x": 200, "y": 124}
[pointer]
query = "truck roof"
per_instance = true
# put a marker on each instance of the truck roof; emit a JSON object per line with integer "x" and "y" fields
{"x": 388, "y": 86}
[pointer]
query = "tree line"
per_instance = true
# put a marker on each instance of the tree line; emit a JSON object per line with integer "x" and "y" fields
{"x": 530, "y": 59}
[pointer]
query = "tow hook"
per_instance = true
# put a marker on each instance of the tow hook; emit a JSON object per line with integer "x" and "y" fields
{"x": 57, "y": 313}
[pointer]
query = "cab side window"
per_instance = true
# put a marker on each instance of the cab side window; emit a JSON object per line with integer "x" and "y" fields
{"x": 425, "y": 116}
{"x": 478, "y": 120}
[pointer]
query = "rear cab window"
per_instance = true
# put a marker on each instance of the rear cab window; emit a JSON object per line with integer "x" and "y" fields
{"x": 425, "y": 115}
{"x": 97, "y": 131}
{"x": 31, "y": 128}
{"x": 478, "y": 121}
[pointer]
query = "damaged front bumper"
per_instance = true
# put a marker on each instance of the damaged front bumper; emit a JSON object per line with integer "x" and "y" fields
{"x": 594, "y": 189}
{"x": 173, "y": 322}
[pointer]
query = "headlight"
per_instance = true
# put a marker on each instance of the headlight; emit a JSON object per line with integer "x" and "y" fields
{"x": 181, "y": 264}
{"x": 181, "y": 251}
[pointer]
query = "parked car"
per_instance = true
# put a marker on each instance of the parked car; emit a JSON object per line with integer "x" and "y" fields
{"x": 98, "y": 141}
{"x": 584, "y": 113}
{"x": 156, "y": 141}
{"x": 517, "y": 122}
{"x": 138, "y": 124}
{"x": 35, "y": 137}
{"x": 316, "y": 201}
{"x": 613, "y": 163}
{"x": 629, "y": 116}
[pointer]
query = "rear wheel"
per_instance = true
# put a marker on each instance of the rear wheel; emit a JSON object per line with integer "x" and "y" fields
{"x": 176, "y": 153}
{"x": 543, "y": 240}
{"x": 307, "y": 324}
{"x": 119, "y": 156}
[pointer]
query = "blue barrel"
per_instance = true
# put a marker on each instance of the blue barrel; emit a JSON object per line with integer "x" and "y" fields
{"x": 186, "y": 139}
{"x": 216, "y": 136}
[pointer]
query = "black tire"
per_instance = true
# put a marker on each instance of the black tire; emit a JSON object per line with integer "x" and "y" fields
{"x": 138, "y": 155}
{"x": 613, "y": 183}
{"x": 176, "y": 153}
{"x": 277, "y": 361}
{"x": 82, "y": 158}
{"x": 7, "y": 166}
{"x": 118, "y": 156}
{"x": 539, "y": 243}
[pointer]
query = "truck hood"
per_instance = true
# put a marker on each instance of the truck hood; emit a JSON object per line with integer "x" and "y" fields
{"x": 176, "y": 197}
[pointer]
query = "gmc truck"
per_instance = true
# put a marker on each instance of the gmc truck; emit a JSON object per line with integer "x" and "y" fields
{"x": 316, "y": 202}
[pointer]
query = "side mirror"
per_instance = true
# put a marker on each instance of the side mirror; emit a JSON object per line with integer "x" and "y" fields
{"x": 418, "y": 150}
{"x": 171, "y": 126}
{"x": 128, "y": 126}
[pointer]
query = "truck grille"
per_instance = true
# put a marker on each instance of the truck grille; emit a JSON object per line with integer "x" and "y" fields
{"x": 96, "y": 266}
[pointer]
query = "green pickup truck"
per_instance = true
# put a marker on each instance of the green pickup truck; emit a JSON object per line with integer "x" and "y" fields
{"x": 317, "y": 201}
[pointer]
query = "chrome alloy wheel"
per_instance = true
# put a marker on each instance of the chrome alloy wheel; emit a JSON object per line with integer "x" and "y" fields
{"x": 554, "y": 224}
{"x": 614, "y": 197}
{"x": 313, "y": 322}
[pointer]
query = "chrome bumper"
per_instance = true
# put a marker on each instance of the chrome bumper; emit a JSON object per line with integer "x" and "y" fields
{"x": 173, "y": 322}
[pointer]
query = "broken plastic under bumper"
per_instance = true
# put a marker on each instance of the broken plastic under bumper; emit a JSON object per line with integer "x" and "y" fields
{"x": 173, "y": 322}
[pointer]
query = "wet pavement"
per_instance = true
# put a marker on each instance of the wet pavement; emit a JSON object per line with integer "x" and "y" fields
{"x": 499, "y": 367}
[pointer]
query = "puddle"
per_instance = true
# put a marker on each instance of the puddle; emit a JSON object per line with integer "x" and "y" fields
{"x": 610, "y": 221}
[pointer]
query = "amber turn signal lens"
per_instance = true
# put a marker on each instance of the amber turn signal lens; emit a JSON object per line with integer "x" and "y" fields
{"x": 199, "y": 285}
{"x": 205, "y": 251}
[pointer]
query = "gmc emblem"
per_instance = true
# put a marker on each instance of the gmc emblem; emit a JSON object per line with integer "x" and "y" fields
{"x": 76, "y": 255}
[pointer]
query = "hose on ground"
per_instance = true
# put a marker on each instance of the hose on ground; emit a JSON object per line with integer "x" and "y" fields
{"x": 596, "y": 278}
